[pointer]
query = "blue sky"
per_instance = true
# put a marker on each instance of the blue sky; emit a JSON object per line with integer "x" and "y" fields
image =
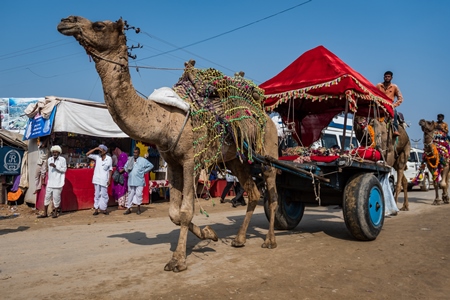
{"x": 408, "y": 37}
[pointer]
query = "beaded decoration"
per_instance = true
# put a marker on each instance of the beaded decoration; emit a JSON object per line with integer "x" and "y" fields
{"x": 224, "y": 110}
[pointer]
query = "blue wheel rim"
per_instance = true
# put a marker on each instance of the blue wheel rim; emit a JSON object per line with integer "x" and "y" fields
{"x": 376, "y": 207}
{"x": 292, "y": 208}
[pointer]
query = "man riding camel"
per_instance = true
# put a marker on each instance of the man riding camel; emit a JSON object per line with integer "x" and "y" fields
{"x": 441, "y": 129}
{"x": 391, "y": 90}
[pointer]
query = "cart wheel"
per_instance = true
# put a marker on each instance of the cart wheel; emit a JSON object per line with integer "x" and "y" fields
{"x": 425, "y": 186}
{"x": 363, "y": 206}
{"x": 289, "y": 213}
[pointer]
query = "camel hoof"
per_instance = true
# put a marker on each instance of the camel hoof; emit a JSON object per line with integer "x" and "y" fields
{"x": 269, "y": 245}
{"x": 404, "y": 209}
{"x": 437, "y": 202}
{"x": 209, "y": 233}
{"x": 237, "y": 244}
{"x": 175, "y": 266}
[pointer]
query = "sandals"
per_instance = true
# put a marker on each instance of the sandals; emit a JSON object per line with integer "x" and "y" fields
{"x": 55, "y": 213}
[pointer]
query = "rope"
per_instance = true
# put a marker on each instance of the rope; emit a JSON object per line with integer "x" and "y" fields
{"x": 316, "y": 190}
{"x": 179, "y": 134}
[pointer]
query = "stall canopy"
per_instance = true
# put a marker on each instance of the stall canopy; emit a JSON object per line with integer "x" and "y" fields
{"x": 317, "y": 86}
{"x": 79, "y": 116}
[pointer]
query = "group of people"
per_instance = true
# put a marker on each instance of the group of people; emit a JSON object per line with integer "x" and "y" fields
{"x": 127, "y": 192}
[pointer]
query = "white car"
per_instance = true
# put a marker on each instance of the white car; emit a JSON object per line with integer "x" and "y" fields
{"x": 417, "y": 173}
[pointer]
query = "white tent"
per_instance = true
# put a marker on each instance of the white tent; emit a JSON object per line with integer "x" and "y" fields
{"x": 74, "y": 116}
{"x": 77, "y": 116}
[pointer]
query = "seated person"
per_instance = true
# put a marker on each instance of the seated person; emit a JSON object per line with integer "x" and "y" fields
{"x": 441, "y": 125}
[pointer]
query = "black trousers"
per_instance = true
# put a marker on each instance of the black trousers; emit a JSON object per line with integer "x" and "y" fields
{"x": 227, "y": 189}
{"x": 239, "y": 193}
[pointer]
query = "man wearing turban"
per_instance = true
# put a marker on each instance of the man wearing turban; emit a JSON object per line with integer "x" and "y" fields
{"x": 57, "y": 168}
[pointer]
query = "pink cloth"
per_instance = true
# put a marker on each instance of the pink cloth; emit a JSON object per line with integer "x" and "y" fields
{"x": 119, "y": 190}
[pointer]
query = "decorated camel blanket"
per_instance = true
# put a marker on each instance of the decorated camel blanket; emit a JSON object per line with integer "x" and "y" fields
{"x": 224, "y": 110}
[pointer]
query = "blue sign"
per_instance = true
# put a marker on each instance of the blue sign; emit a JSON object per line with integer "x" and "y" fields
{"x": 11, "y": 160}
{"x": 38, "y": 126}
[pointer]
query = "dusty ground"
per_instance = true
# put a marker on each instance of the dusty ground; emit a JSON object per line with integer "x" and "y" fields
{"x": 80, "y": 256}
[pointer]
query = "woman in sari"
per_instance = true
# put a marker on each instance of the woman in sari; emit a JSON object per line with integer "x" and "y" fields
{"x": 120, "y": 190}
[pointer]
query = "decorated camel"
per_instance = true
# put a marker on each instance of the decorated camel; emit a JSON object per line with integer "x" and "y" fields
{"x": 178, "y": 134}
{"x": 395, "y": 150}
{"x": 437, "y": 158}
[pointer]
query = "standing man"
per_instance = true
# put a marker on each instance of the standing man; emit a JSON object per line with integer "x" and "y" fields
{"x": 230, "y": 183}
{"x": 41, "y": 168}
{"x": 102, "y": 178}
{"x": 391, "y": 90}
{"x": 239, "y": 194}
{"x": 57, "y": 168}
{"x": 136, "y": 167}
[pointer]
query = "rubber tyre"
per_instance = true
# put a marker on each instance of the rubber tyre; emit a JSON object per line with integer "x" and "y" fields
{"x": 288, "y": 213}
{"x": 363, "y": 206}
{"x": 425, "y": 186}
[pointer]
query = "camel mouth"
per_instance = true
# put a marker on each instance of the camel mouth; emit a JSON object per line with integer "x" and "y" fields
{"x": 67, "y": 28}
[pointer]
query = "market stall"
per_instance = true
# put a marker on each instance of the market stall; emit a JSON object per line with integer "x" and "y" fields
{"x": 13, "y": 154}
{"x": 77, "y": 126}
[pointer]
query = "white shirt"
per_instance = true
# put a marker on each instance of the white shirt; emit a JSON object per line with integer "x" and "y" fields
{"x": 101, "y": 170}
{"x": 229, "y": 177}
{"x": 57, "y": 174}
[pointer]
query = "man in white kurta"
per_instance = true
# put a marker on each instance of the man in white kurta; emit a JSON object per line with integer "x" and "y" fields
{"x": 57, "y": 168}
{"x": 101, "y": 179}
{"x": 136, "y": 167}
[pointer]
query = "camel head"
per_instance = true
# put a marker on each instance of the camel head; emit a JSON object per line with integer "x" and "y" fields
{"x": 97, "y": 38}
{"x": 427, "y": 126}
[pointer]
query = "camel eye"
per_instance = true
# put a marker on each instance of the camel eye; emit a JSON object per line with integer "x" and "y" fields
{"x": 98, "y": 26}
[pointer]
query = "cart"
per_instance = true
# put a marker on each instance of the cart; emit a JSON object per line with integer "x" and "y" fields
{"x": 308, "y": 94}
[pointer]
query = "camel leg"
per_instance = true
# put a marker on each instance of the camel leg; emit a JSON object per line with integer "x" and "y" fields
{"x": 270, "y": 177}
{"x": 444, "y": 184}
{"x": 404, "y": 182}
{"x": 436, "y": 201}
{"x": 181, "y": 213}
{"x": 242, "y": 172}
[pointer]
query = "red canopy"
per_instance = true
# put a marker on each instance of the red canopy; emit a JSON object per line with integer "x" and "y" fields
{"x": 315, "y": 87}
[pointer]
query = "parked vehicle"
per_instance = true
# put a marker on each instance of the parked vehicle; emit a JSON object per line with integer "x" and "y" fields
{"x": 417, "y": 174}
{"x": 332, "y": 135}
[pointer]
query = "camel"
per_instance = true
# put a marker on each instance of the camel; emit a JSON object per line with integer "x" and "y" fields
{"x": 435, "y": 154}
{"x": 395, "y": 150}
{"x": 166, "y": 127}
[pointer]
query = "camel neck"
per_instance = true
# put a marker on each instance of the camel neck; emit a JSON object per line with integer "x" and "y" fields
{"x": 126, "y": 107}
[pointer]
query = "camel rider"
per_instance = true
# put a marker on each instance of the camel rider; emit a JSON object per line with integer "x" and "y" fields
{"x": 391, "y": 90}
{"x": 441, "y": 126}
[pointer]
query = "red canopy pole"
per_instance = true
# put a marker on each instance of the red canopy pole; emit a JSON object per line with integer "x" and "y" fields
{"x": 345, "y": 124}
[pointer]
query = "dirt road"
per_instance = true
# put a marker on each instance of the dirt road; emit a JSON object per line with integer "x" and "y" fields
{"x": 79, "y": 256}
